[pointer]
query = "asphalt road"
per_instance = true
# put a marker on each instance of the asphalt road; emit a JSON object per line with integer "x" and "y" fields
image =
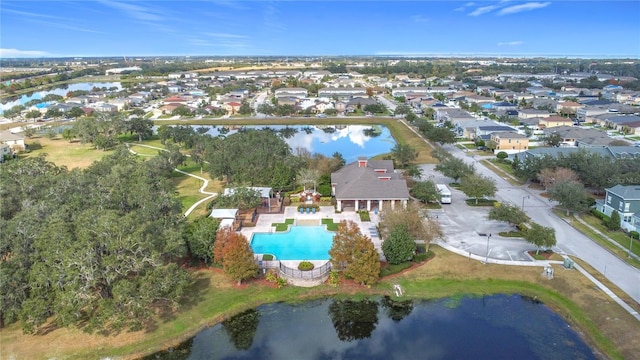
{"x": 464, "y": 225}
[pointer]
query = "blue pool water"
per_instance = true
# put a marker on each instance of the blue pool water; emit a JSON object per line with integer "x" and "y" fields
{"x": 299, "y": 243}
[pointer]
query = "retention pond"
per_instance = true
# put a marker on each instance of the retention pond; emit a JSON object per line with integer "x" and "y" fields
{"x": 489, "y": 327}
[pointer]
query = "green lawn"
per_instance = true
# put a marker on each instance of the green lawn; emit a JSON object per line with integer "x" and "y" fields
{"x": 618, "y": 236}
{"x": 331, "y": 226}
{"x": 283, "y": 226}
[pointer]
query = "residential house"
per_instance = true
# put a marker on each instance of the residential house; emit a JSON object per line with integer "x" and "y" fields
{"x": 615, "y": 121}
{"x": 368, "y": 184}
{"x": 479, "y": 99}
{"x": 170, "y": 107}
{"x": 554, "y": 121}
{"x": 568, "y": 107}
{"x": 104, "y": 107}
{"x": 533, "y": 113}
{"x": 577, "y": 136}
{"x": 456, "y": 116}
{"x": 5, "y": 152}
{"x": 509, "y": 142}
{"x": 625, "y": 199}
{"x": 14, "y": 141}
{"x": 299, "y": 93}
{"x": 611, "y": 152}
{"x": 360, "y": 103}
{"x": 342, "y": 93}
{"x": 174, "y": 88}
{"x": 232, "y": 107}
{"x": 288, "y": 100}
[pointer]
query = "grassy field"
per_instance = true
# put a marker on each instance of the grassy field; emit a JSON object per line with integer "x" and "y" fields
{"x": 596, "y": 317}
{"x": 63, "y": 153}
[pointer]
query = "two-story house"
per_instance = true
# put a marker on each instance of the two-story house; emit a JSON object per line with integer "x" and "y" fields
{"x": 625, "y": 199}
{"x": 509, "y": 142}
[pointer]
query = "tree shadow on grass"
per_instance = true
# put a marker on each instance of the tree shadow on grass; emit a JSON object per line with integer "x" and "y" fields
{"x": 201, "y": 282}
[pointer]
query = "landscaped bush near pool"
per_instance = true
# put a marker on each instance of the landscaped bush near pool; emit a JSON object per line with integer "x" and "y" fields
{"x": 305, "y": 266}
{"x": 267, "y": 257}
{"x": 324, "y": 189}
{"x": 364, "y": 215}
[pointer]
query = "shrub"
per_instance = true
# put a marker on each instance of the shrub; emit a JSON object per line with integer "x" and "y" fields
{"x": 326, "y": 198}
{"x": 334, "y": 278}
{"x": 614, "y": 222}
{"x": 502, "y": 155}
{"x": 272, "y": 276}
{"x": 634, "y": 235}
{"x": 364, "y": 215}
{"x": 305, "y": 266}
{"x": 267, "y": 257}
{"x": 324, "y": 189}
{"x": 600, "y": 215}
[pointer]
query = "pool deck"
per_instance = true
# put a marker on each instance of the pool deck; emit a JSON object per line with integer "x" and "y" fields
{"x": 290, "y": 212}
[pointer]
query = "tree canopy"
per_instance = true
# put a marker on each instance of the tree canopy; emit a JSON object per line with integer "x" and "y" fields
{"x": 419, "y": 228}
{"x": 252, "y": 157}
{"x": 354, "y": 254}
{"x": 477, "y": 186}
{"x": 399, "y": 246}
{"x": 508, "y": 213}
{"x": 454, "y": 168}
{"x": 540, "y": 236}
{"x": 92, "y": 248}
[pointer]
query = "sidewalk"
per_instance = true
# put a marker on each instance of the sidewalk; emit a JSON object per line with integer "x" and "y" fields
{"x": 605, "y": 237}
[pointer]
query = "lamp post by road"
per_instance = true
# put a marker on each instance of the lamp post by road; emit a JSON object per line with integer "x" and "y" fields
{"x": 630, "y": 245}
{"x": 524, "y": 197}
{"x": 486, "y": 260}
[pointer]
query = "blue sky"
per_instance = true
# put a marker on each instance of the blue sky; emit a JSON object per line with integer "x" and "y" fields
{"x": 286, "y": 28}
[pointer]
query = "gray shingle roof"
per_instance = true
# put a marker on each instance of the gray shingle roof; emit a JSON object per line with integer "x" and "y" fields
{"x": 627, "y": 192}
{"x": 362, "y": 183}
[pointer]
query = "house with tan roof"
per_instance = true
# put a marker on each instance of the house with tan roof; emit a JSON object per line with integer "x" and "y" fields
{"x": 509, "y": 141}
{"x": 553, "y": 121}
{"x": 368, "y": 184}
{"x": 568, "y": 107}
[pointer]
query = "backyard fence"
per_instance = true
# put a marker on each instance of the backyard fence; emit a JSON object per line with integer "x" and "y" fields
{"x": 285, "y": 271}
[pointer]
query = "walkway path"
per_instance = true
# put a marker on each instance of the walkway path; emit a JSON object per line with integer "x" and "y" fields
{"x": 205, "y": 182}
{"x": 607, "y": 238}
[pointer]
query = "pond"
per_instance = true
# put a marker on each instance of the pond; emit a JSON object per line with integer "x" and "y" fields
{"x": 61, "y": 90}
{"x": 352, "y": 141}
{"x": 489, "y": 327}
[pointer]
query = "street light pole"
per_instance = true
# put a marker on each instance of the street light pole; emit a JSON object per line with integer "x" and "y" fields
{"x": 486, "y": 260}
{"x": 630, "y": 245}
{"x": 524, "y": 197}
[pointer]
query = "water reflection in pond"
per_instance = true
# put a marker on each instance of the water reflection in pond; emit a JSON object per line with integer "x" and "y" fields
{"x": 351, "y": 141}
{"x": 492, "y": 327}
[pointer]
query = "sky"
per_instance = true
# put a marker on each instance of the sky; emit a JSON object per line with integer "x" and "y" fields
{"x": 87, "y": 28}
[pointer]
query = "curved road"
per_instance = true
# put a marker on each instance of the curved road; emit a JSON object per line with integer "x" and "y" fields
{"x": 569, "y": 240}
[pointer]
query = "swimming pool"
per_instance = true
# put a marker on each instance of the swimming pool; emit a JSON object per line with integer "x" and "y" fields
{"x": 299, "y": 243}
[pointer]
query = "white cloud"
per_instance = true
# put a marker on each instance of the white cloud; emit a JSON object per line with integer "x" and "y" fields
{"x": 464, "y": 7}
{"x": 483, "y": 10}
{"x": 523, "y": 7}
{"x": 511, "y": 43}
{"x": 419, "y": 19}
{"x": 134, "y": 11}
{"x": 9, "y": 53}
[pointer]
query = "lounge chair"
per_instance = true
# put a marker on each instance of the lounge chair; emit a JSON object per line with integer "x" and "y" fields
{"x": 313, "y": 210}
{"x": 308, "y": 210}
{"x": 301, "y": 210}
